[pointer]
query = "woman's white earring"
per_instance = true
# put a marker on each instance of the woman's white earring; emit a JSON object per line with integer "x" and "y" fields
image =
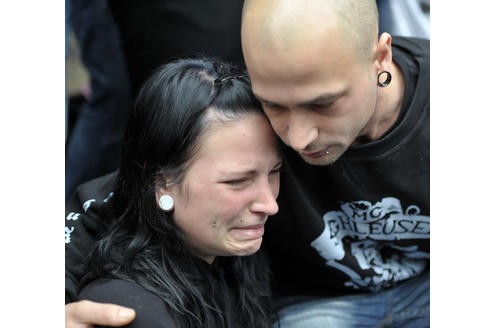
{"x": 166, "y": 203}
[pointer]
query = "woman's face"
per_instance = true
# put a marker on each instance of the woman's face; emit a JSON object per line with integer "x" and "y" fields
{"x": 229, "y": 189}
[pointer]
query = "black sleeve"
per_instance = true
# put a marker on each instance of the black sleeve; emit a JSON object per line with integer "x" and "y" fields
{"x": 150, "y": 309}
{"x": 82, "y": 213}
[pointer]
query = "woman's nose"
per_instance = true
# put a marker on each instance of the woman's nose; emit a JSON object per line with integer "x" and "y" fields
{"x": 266, "y": 199}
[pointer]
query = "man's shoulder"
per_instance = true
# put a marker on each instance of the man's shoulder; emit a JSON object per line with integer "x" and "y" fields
{"x": 411, "y": 44}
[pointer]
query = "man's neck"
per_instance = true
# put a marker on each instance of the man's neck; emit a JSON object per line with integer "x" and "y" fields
{"x": 388, "y": 105}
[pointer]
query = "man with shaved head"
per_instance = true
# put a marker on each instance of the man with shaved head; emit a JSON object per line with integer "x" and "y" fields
{"x": 304, "y": 57}
{"x": 350, "y": 244}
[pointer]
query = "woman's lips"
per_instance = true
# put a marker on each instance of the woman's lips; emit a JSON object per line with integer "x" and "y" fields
{"x": 249, "y": 232}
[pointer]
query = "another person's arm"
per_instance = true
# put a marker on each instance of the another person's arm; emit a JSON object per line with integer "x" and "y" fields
{"x": 82, "y": 215}
{"x": 86, "y": 314}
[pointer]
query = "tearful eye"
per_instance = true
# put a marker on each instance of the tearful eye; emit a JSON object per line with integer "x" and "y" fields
{"x": 276, "y": 170}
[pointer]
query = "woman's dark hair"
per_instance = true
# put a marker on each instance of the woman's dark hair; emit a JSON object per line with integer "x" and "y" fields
{"x": 172, "y": 111}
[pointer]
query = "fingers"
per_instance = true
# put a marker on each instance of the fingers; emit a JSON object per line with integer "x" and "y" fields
{"x": 86, "y": 314}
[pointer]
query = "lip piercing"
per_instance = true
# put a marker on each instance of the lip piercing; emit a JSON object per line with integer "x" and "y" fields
{"x": 214, "y": 224}
{"x": 327, "y": 153}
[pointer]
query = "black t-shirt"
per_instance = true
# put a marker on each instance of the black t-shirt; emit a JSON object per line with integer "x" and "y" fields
{"x": 361, "y": 224}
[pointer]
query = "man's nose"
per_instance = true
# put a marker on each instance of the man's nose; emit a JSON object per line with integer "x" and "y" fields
{"x": 301, "y": 130}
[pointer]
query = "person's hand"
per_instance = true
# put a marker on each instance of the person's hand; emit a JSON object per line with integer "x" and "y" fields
{"x": 86, "y": 314}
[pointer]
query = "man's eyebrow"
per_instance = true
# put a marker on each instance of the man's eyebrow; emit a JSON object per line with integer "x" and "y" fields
{"x": 324, "y": 98}
{"x": 260, "y": 99}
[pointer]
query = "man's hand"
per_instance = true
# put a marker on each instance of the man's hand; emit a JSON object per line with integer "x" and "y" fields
{"x": 86, "y": 314}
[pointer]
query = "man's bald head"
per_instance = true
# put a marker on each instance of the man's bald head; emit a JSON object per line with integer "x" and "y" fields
{"x": 285, "y": 24}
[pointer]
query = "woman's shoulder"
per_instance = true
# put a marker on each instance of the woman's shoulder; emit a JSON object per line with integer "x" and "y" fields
{"x": 151, "y": 311}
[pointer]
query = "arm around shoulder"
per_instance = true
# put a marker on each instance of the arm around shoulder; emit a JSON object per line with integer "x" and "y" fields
{"x": 83, "y": 212}
{"x": 151, "y": 311}
{"x": 86, "y": 314}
